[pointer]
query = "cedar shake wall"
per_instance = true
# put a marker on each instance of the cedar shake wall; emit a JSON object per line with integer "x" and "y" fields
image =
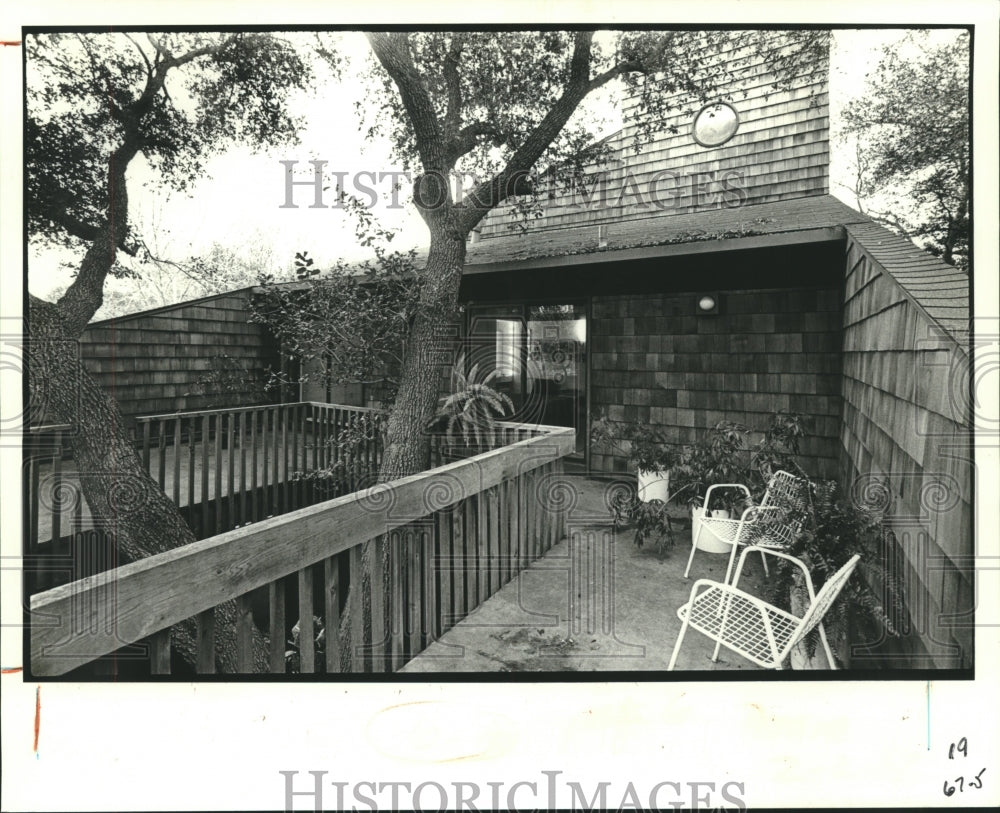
{"x": 654, "y": 361}
{"x": 153, "y": 362}
{"x": 780, "y": 151}
{"x": 906, "y": 448}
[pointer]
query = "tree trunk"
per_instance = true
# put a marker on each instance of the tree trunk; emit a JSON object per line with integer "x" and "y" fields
{"x": 407, "y": 447}
{"x": 124, "y": 500}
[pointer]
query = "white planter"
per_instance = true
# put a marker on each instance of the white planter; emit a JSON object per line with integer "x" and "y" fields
{"x": 653, "y": 485}
{"x": 706, "y": 540}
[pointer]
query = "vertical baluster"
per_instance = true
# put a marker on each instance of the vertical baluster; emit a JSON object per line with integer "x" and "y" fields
{"x": 376, "y": 576}
{"x": 275, "y": 470}
{"x": 429, "y": 581}
{"x": 276, "y": 606}
{"x": 458, "y": 561}
{"x": 190, "y": 467}
{"x": 56, "y": 490}
{"x": 244, "y": 635}
{"x": 231, "y": 472}
{"x": 206, "y": 642}
{"x": 161, "y": 446}
{"x": 204, "y": 476}
{"x": 331, "y": 616}
{"x": 357, "y": 621}
{"x": 259, "y": 485}
{"x": 243, "y": 417}
{"x": 307, "y": 634}
{"x": 177, "y": 461}
{"x": 443, "y": 525}
{"x": 469, "y": 559}
{"x": 286, "y": 414}
{"x": 414, "y": 564}
{"x": 159, "y": 652}
{"x": 482, "y": 551}
{"x": 145, "y": 445}
{"x": 396, "y": 598}
{"x": 218, "y": 472}
{"x": 503, "y": 533}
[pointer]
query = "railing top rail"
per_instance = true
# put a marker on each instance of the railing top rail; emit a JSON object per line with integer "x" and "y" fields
{"x": 49, "y": 427}
{"x": 252, "y": 408}
{"x": 347, "y": 406}
{"x": 162, "y": 590}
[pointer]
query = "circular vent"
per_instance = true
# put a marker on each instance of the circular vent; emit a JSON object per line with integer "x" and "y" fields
{"x": 715, "y": 124}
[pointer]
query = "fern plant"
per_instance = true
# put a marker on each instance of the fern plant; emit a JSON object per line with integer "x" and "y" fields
{"x": 836, "y": 529}
{"x": 467, "y": 417}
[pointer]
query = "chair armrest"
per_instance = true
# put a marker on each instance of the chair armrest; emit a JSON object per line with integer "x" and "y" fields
{"x": 772, "y": 552}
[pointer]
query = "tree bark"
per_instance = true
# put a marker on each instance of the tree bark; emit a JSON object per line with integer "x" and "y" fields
{"x": 124, "y": 500}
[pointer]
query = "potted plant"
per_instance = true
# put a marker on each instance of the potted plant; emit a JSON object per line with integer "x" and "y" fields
{"x": 647, "y": 450}
{"x": 466, "y": 419}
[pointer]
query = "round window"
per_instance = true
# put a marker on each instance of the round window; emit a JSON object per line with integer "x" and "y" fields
{"x": 715, "y": 124}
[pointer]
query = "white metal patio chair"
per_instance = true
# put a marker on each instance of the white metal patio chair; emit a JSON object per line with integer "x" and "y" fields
{"x": 751, "y": 627}
{"x": 759, "y": 525}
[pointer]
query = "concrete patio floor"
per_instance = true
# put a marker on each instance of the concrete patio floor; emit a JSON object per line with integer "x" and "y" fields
{"x": 594, "y": 602}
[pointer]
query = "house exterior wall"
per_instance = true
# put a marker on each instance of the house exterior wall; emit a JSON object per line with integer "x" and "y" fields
{"x": 656, "y": 362}
{"x": 906, "y": 449}
{"x": 177, "y": 358}
{"x": 780, "y": 151}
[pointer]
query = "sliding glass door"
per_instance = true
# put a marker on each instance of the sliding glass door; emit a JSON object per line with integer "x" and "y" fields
{"x": 539, "y": 353}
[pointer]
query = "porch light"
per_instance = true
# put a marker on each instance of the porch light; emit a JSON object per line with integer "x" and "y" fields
{"x": 707, "y": 305}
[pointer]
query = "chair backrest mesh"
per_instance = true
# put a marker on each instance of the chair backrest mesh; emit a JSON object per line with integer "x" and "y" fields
{"x": 786, "y": 491}
{"x": 826, "y": 596}
{"x": 773, "y": 526}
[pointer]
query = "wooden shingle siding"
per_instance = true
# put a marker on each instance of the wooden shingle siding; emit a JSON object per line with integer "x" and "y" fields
{"x": 654, "y": 362}
{"x": 780, "y": 151}
{"x": 156, "y": 361}
{"x": 906, "y": 424}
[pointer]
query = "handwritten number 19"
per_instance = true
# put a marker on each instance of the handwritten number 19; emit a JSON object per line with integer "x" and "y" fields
{"x": 962, "y": 746}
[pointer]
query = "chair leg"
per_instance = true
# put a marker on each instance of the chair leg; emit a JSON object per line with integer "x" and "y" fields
{"x": 729, "y": 567}
{"x": 763, "y": 558}
{"x": 690, "y": 559}
{"x": 826, "y": 647}
{"x": 677, "y": 646}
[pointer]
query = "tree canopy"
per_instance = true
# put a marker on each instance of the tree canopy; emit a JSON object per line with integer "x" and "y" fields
{"x": 911, "y": 130}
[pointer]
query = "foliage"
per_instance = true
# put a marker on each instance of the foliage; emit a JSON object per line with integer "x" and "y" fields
{"x": 510, "y": 106}
{"x": 835, "y": 530}
{"x": 352, "y": 320}
{"x": 645, "y": 446}
{"x": 228, "y": 383}
{"x": 350, "y": 455}
{"x": 470, "y": 411}
{"x": 174, "y": 98}
{"x": 723, "y": 454}
{"x": 911, "y": 128}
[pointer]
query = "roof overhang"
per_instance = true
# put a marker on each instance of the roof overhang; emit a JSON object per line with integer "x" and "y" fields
{"x": 825, "y": 234}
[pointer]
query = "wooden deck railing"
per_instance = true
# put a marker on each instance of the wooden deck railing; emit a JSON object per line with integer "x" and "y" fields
{"x": 223, "y": 468}
{"x": 450, "y": 537}
{"x": 228, "y": 467}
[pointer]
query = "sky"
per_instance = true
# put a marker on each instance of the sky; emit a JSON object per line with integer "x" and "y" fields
{"x": 238, "y": 203}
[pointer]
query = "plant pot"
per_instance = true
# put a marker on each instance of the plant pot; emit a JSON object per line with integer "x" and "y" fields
{"x": 653, "y": 485}
{"x": 705, "y": 540}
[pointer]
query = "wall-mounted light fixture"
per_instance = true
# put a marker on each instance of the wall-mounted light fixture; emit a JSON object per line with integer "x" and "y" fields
{"x": 706, "y": 304}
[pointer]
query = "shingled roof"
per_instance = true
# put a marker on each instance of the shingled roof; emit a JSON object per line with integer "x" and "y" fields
{"x": 941, "y": 290}
{"x": 799, "y": 214}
